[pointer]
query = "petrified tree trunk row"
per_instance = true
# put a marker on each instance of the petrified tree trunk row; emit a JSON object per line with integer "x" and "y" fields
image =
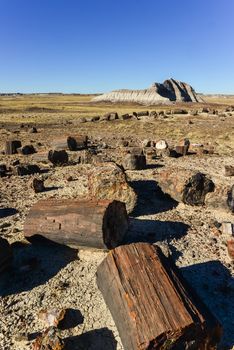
{"x": 98, "y": 224}
{"x": 151, "y": 304}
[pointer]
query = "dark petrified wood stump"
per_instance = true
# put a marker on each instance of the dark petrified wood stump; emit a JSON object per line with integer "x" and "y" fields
{"x": 3, "y": 170}
{"x": 185, "y": 186}
{"x": 151, "y": 304}
{"x": 38, "y": 185}
{"x": 5, "y": 254}
{"x": 58, "y": 157}
{"x": 90, "y": 223}
{"x": 11, "y": 146}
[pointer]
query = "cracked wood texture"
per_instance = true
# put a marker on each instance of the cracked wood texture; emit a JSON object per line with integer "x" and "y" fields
{"x": 151, "y": 304}
{"x": 184, "y": 185}
{"x": 91, "y": 223}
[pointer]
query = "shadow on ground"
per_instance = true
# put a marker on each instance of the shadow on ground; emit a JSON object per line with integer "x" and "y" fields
{"x": 7, "y": 212}
{"x": 214, "y": 285}
{"x": 34, "y": 264}
{"x": 152, "y": 231}
{"x": 97, "y": 339}
{"x": 150, "y": 198}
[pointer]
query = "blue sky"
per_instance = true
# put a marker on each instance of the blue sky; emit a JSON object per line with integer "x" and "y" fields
{"x": 94, "y": 46}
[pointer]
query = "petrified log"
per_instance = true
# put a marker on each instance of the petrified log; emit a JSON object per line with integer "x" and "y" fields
{"x": 134, "y": 162}
{"x": 58, "y": 157}
{"x": 162, "y": 148}
{"x": 90, "y": 223}
{"x": 5, "y": 254}
{"x": 108, "y": 181}
{"x": 72, "y": 143}
{"x": 40, "y": 157}
{"x": 27, "y": 169}
{"x": 183, "y": 147}
{"x": 185, "y": 185}
{"x": 230, "y": 200}
{"x": 151, "y": 304}
{"x": 3, "y": 170}
{"x": 221, "y": 198}
{"x": 33, "y": 130}
{"x": 125, "y": 116}
{"x": 38, "y": 185}
{"x": 142, "y": 113}
{"x": 11, "y": 146}
{"x": 229, "y": 170}
{"x": 26, "y": 150}
{"x": 230, "y": 248}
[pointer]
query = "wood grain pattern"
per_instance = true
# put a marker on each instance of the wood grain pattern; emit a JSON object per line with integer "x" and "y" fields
{"x": 91, "y": 223}
{"x": 151, "y": 306}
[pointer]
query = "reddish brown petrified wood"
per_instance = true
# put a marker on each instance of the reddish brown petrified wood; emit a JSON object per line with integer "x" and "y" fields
{"x": 91, "y": 223}
{"x": 151, "y": 304}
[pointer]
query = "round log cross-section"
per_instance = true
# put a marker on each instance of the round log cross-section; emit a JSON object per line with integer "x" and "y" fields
{"x": 90, "y": 223}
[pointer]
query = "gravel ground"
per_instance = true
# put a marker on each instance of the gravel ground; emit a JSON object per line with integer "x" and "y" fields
{"x": 45, "y": 275}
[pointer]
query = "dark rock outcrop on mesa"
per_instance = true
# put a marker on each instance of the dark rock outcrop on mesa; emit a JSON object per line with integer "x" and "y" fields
{"x": 170, "y": 91}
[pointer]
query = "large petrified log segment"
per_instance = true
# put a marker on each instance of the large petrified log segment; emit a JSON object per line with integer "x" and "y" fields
{"x": 109, "y": 181}
{"x": 11, "y": 146}
{"x": 5, "y": 254}
{"x": 151, "y": 304}
{"x": 72, "y": 143}
{"x": 98, "y": 224}
{"x": 185, "y": 186}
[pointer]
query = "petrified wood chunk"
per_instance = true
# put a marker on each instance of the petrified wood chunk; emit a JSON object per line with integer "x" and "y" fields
{"x": 108, "y": 181}
{"x": 152, "y": 306}
{"x": 27, "y": 169}
{"x": 221, "y": 198}
{"x": 48, "y": 340}
{"x": 185, "y": 185}
{"x": 11, "y": 146}
{"x": 134, "y": 162}
{"x": 90, "y": 223}
{"x": 72, "y": 143}
{"x": 229, "y": 170}
{"x": 230, "y": 200}
{"x": 5, "y": 254}
{"x": 26, "y": 150}
{"x": 58, "y": 157}
{"x": 38, "y": 185}
{"x": 3, "y": 170}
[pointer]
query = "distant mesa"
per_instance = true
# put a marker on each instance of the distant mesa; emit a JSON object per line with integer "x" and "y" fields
{"x": 170, "y": 91}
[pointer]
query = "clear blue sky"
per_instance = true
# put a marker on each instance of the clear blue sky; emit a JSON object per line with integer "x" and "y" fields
{"x": 100, "y": 45}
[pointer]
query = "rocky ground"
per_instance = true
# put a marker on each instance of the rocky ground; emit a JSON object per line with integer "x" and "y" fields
{"x": 45, "y": 275}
